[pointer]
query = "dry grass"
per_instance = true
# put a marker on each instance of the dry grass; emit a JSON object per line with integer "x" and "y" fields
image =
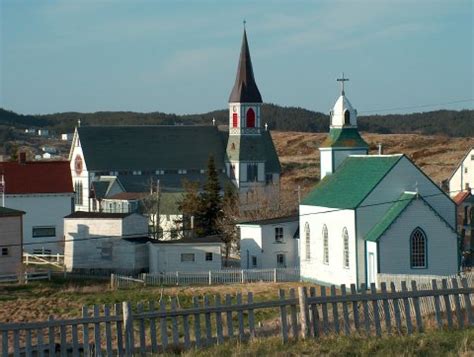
{"x": 437, "y": 156}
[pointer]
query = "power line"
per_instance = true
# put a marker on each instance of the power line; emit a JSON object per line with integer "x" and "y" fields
{"x": 418, "y": 106}
{"x": 229, "y": 224}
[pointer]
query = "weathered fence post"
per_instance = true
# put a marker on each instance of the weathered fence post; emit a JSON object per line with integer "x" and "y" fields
{"x": 49, "y": 275}
{"x": 112, "y": 281}
{"x": 177, "y": 278}
{"x": 128, "y": 328}
{"x": 210, "y": 277}
{"x": 304, "y": 313}
{"x": 274, "y": 275}
{"x": 242, "y": 276}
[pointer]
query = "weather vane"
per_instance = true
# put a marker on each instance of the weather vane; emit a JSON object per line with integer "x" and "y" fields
{"x": 342, "y": 80}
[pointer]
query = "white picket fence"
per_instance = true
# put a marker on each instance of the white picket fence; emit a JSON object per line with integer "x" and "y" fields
{"x": 211, "y": 277}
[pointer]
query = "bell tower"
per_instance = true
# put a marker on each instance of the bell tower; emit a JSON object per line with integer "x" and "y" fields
{"x": 344, "y": 138}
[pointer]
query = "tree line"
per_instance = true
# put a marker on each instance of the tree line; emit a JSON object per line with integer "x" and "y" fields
{"x": 456, "y": 123}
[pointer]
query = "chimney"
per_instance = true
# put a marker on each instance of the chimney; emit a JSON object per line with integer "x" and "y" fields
{"x": 22, "y": 158}
{"x": 380, "y": 149}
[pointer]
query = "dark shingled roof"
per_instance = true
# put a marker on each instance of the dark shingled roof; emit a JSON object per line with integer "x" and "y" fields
{"x": 276, "y": 220}
{"x": 116, "y": 148}
{"x": 9, "y": 212}
{"x": 254, "y": 148}
{"x": 82, "y": 214}
{"x": 245, "y": 89}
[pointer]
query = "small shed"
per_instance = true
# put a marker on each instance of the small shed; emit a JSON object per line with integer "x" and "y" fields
{"x": 269, "y": 243}
{"x": 11, "y": 240}
{"x": 186, "y": 255}
{"x": 106, "y": 242}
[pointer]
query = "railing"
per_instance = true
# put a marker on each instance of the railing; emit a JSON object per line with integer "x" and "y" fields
{"x": 211, "y": 277}
{"x": 25, "y": 277}
{"x": 124, "y": 329}
{"x": 43, "y": 259}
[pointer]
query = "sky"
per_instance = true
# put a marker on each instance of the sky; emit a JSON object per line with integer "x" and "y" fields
{"x": 181, "y": 56}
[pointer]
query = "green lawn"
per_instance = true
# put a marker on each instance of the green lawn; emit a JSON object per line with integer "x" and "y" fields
{"x": 434, "y": 343}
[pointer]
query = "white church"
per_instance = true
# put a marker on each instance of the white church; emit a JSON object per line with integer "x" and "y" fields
{"x": 370, "y": 214}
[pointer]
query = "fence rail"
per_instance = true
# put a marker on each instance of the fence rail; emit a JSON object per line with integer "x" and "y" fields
{"x": 25, "y": 277}
{"x": 211, "y": 277}
{"x": 123, "y": 329}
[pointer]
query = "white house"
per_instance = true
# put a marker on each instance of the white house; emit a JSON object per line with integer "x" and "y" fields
{"x": 374, "y": 214}
{"x": 43, "y": 190}
{"x": 106, "y": 242}
{"x": 269, "y": 243}
{"x": 186, "y": 255}
{"x": 463, "y": 177}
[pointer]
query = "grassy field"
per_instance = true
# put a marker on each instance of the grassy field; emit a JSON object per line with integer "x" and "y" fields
{"x": 436, "y": 343}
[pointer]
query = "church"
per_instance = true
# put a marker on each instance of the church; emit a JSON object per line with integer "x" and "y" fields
{"x": 111, "y": 164}
{"x": 372, "y": 214}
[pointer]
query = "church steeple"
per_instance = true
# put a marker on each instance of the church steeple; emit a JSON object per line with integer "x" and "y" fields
{"x": 245, "y": 89}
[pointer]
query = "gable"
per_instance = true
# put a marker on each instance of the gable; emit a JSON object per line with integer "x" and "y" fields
{"x": 352, "y": 182}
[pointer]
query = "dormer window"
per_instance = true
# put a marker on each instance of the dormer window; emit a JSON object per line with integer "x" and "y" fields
{"x": 347, "y": 117}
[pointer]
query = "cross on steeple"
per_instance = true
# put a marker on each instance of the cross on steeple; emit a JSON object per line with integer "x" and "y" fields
{"x": 244, "y": 22}
{"x": 342, "y": 80}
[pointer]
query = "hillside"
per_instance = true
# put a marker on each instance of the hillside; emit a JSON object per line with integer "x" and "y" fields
{"x": 441, "y": 122}
{"x": 437, "y": 156}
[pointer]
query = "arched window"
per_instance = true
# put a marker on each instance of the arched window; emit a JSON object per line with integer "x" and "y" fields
{"x": 235, "y": 120}
{"x": 250, "y": 118}
{"x": 307, "y": 241}
{"x": 345, "y": 253}
{"x": 418, "y": 248}
{"x": 325, "y": 245}
{"x": 347, "y": 118}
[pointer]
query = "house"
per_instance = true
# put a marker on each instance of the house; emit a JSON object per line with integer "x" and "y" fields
{"x": 67, "y": 136}
{"x": 42, "y": 132}
{"x": 269, "y": 243}
{"x": 43, "y": 190}
{"x": 11, "y": 240}
{"x": 106, "y": 242}
{"x": 373, "y": 214}
{"x": 462, "y": 178}
{"x": 138, "y": 158}
{"x": 465, "y": 209}
{"x": 185, "y": 255}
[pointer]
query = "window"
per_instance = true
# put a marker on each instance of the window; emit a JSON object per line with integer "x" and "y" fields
{"x": 187, "y": 257}
{"x": 418, "y": 248}
{"x": 208, "y": 257}
{"x": 347, "y": 118}
{"x": 250, "y": 118}
{"x": 78, "y": 192}
{"x": 281, "y": 261}
{"x": 307, "y": 241}
{"x": 269, "y": 179}
{"x": 252, "y": 172}
{"x": 279, "y": 234}
{"x": 232, "y": 172}
{"x": 472, "y": 157}
{"x": 254, "y": 260}
{"x": 345, "y": 254}
{"x": 106, "y": 250}
{"x": 235, "y": 120}
{"x": 325, "y": 245}
{"x": 174, "y": 233}
{"x": 39, "y": 232}
{"x": 4, "y": 252}
{"x": 465, "y": 170}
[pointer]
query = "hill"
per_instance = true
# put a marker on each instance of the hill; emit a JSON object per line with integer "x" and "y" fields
{"x": 441, "y": 122}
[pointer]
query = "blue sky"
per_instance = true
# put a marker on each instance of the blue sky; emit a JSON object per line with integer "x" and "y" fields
{"x": 181, "y": 57}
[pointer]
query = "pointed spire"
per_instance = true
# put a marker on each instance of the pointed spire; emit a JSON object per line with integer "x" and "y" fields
{"x": 245, "y": 89}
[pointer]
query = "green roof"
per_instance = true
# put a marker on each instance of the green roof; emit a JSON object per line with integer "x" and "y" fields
{"x": 353, "y": 180}
{"x": 344, "y": 137}
{"x": 115, "y": 148}
{"x": 7, "y": 212}
{"x": 254, "y": 148}
{"x": 390, "y": 216}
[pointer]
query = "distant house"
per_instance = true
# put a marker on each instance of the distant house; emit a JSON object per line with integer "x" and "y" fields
{"x": 462, "y": 178}
{"x": 106, "y": 242}
{"x": 186, "y": 255}
{"x": 42, "y": 132}
{"x": 43, "y": 190}
{"x": 465, "y": 203}
{"x": 67, "y": 136}
{"x": 11, "y": 240}
{"x": 269, "y": 243}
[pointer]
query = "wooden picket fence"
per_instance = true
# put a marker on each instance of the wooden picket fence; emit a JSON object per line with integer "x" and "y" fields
{"x": 25, "y": 277}
{"x": 124, "y": 329}
{"x": 211, "y": 277}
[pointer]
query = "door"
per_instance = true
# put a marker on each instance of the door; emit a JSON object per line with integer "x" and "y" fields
{"x": 372, "y": 271}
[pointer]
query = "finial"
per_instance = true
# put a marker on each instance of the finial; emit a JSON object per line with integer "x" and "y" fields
{"x": 266, "y": 126}
{"x": 79, "y": 123}
{"x": 213, "y": 121}
{"x": 342, "y": 80}
{"x": 244, "y": 22}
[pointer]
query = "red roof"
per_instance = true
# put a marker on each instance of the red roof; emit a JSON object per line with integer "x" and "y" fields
{"x": 461, "y": 196}
{"x": 36, "y": 177}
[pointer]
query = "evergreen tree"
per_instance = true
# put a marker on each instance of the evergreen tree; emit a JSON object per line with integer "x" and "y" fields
{"x": 210, "y": 201}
